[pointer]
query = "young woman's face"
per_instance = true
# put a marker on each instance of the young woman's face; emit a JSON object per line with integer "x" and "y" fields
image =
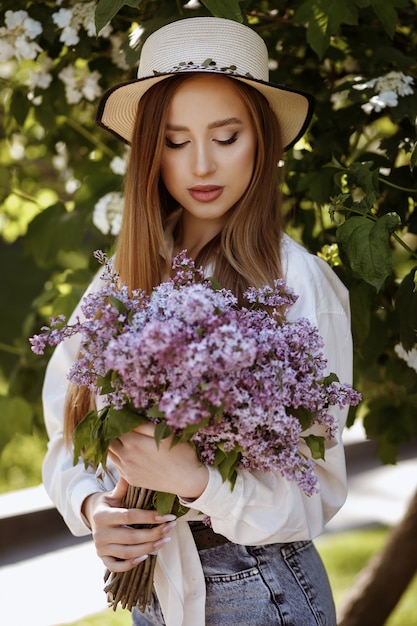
{"x": 210, "y": 147}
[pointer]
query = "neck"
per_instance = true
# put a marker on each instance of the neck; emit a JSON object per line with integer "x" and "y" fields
{"x": 193, "y": 234}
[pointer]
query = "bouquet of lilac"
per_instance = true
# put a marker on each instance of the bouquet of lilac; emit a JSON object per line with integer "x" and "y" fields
{"x": 242, "y": 384}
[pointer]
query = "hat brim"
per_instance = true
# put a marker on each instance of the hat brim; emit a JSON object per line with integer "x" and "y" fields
{"x": 118, "y": 107}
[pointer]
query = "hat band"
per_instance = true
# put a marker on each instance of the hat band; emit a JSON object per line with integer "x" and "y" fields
{"x": 207, "y": 65}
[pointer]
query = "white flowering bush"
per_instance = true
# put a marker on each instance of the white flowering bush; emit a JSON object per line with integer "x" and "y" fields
{"x": 18, "y": 35}
{"x": 387, "y": 90}
{"x": 350, "y": 183}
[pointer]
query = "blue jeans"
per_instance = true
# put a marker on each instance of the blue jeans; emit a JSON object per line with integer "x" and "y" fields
{"x": 274, "y": 585}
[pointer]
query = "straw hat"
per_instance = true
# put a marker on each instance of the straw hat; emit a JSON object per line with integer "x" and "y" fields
{"x": 205, "y": 44}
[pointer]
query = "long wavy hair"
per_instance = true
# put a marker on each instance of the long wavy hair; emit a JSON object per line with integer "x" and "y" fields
{"x": 245, "y": 253}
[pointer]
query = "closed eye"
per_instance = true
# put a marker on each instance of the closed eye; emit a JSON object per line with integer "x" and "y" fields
{"x": 228, "y": 142}
{"x": 174, "y": 146}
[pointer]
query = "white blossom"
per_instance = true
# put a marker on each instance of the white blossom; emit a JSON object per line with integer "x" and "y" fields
{"x": 118, "y": 165}
{"x": 63, "y": 18}
{"x": 339, "y": 99}
{"x": 20, "y": 21}
{"x": 91, "y": 89}
{"x": 396, "y": 82}
{"x": 377, "y": 103}
{"x": 409, "y": 357}
{"x": 118, "y": 56}
{"x": 39, "y": 76}
{"x": 6, "y": 48}
{"x": 69, "y": 36}
{"x": 26, "y": 49}
{"x": 60, "y": 159}
{"x": 107, "y": 215}
{"x": 369, "y": 84}
{"x": 81, "y": 15}
{"x": 16, "y": 38}
{"x": 80, "y": 83}
{"x": 13, "y": 19}
{"x": 387, "y": 88}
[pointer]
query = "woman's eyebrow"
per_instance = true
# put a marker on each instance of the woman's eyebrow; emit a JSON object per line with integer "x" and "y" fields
{"x": 217, "y": 124}
{"x": 226, "y": 122}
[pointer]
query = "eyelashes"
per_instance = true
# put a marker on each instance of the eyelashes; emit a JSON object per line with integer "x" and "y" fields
{"x": 224, "y": 142}
{"x": 174, "y": 146}
{"x": 228, "y": 142}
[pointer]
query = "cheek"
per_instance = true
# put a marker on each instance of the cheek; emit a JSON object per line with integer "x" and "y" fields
{"x": 247, "y": 161}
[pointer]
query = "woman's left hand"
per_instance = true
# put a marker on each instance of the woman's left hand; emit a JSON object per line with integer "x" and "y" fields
{"x": 173, "y": 469}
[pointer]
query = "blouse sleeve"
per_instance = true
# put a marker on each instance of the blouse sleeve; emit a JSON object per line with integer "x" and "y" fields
{"x": 265, "y": 507}
{"x": 66, "y": 484}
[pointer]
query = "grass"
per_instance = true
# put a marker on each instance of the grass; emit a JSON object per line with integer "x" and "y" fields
{"x": 344, "y": 555}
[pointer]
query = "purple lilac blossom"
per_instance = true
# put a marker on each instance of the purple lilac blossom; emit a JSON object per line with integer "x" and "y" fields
{"x": 238, "y": 375}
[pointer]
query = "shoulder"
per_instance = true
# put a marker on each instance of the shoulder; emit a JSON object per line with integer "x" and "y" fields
{"x": 319, "y": 289}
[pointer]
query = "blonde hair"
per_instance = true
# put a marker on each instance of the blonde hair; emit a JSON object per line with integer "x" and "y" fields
{"x": 246, "y": 252}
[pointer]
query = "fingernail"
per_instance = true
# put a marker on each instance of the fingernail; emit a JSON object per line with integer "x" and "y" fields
{"x": 165, "y": 518}
{"x": 140, "y": 559}
{"x": 158, "y": 544}
{"x": 169, "y": 526}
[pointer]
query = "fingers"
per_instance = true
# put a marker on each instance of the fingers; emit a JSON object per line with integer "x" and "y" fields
{"x": 147, "y": 429}
{"x": 120, "y": 489}
{"x": 130, "y": 546}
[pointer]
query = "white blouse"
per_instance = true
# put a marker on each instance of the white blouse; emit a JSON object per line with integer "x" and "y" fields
{"x": 263, "y": 508}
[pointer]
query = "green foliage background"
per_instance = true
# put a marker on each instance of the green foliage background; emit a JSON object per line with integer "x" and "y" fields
{"x": 349, "y": 194}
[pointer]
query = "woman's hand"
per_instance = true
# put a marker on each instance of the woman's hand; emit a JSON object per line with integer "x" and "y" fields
{"x": 173, "y": 469}
{"x": 119, "y": 547}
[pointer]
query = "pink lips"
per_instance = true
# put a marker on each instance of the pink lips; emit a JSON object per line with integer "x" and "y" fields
{"x": 205, "y": 193}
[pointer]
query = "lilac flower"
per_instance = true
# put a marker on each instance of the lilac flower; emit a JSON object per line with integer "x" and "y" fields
{"x": 234, "y": 381}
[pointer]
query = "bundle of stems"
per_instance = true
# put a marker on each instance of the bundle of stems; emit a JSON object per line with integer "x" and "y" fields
{"x": 133, "y": 588}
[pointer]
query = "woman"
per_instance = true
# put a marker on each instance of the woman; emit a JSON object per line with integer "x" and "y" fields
{"x": 207, "y": 131}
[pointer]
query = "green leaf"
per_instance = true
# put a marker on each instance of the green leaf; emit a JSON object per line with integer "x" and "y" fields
{"x": 304, "y": 416}
{"x": 387, "y": 15}
{"x": 155, "y": 412}
{"x": 367, "y": 245}
{"x": 365, "y": 176}
{"x": 86, "y": 444}
{"x": 228, "y": 9}
{"x": 20, "y": 106}
{"x": 406, "y": 306}
{"x": 105, "y": 382}
{"x": 330, "y": 378}
{"x": 107, "y": 9}
{"x": 94, "y": 434}
{"x": 52, "y": 231}
{"x": 323, "y": 18}
{"x": 162, "y": 431}
{"x": 164, "y": 502}
{"x": 191, "y": 429}
{"x": 361, "y": 297}
{"x": 117, "y": 422}
{"x": 316, "y": 445}
{"x": 226, "y": 463}
{"x": 117, "y": 304}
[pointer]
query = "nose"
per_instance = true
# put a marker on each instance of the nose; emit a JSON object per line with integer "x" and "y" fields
{"x": 203, "y": 160}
